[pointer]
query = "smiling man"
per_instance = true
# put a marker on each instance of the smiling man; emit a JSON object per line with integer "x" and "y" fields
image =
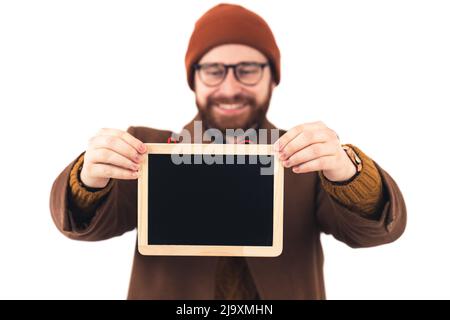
{"x": 233, "y": 65}
{"x": 233, "y": 87}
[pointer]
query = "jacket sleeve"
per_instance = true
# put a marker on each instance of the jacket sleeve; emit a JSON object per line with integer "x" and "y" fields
{"x": 363, "y": 192}
{"x": 114, "y": 214}
{"x": 355, "y": 228}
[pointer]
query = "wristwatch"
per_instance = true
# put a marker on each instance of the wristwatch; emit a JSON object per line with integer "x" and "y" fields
{"x": 353, "y": 157}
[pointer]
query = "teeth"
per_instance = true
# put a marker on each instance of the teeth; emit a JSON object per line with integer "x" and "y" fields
{"x": 230, "y": 106}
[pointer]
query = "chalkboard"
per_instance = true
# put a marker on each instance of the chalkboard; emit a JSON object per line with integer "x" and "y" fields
{"x": 210, "y": 200}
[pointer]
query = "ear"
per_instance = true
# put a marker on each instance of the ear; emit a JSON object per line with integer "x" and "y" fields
{"x": 194, "y": 82}
{"x": 273, "y": 85}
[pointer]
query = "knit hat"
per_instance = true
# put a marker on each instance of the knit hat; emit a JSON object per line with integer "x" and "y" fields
{"x": 226, "y": 24}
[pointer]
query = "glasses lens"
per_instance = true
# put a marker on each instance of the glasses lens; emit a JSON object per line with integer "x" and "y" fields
{"x": 212, "y": 74}
{"x": 249, "y": 73}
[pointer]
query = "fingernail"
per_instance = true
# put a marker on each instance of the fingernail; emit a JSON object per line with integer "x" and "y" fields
{"x": 143, "y": 148}
{"x": 286, "y": 164}
{"x": 135, "y": 167}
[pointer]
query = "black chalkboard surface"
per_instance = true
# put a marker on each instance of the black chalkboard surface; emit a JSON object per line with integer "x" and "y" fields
{"x": 210, "y": 200}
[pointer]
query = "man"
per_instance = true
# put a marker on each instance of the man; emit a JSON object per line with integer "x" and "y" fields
{"x": 232, "y": 65}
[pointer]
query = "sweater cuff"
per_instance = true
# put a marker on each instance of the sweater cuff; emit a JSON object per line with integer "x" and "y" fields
{"x": 83, "y": 197}
{"x": 363, "y": 192}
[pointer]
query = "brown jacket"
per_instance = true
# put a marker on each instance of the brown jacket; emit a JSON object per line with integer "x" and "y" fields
{"x": 296, "y": 274}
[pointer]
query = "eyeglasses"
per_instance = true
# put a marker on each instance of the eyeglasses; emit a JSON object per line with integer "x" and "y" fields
{"x": 247, "y": 73}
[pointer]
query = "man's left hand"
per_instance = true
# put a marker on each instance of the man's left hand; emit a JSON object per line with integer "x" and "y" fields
{"x": 315, "y": 147}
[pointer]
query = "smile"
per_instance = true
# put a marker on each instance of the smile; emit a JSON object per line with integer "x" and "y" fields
{"x": 231, "y": 109}
{"x": 231, "y": 106}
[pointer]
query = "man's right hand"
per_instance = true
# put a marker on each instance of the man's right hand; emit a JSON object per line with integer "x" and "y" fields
{"x": 110, "y": 154}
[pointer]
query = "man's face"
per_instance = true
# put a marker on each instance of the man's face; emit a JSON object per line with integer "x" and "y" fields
{"x": 232, "y": 104}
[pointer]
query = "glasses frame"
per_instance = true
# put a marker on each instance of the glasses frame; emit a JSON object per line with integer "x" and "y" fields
{"x": 199, "y": 67}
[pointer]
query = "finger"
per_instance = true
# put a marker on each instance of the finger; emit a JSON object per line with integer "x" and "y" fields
{"x": 295, "y": 131}
{"x": 117, "y": 145}
{"x": 305, "y": 139}
{"x": 100, "y": 170}
{"x": 319, "y": 164}
{"x": 127, "y": 137}
{"x": 107, "y": 156}
{"x": 314, "y": 151}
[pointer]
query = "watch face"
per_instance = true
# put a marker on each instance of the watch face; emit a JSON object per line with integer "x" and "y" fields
{"x": 354, "y": 158}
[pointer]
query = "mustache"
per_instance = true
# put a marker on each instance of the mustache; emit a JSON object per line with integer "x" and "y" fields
{"x": 236, "y": 99}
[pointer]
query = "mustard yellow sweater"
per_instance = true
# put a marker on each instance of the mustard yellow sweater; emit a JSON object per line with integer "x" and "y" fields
{"x": 362, "y": 193}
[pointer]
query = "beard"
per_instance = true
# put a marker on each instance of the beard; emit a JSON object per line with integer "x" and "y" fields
{"x": 251, "y": 117}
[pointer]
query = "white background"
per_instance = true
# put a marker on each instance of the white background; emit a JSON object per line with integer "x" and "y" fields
{"x": 377, "y": 72}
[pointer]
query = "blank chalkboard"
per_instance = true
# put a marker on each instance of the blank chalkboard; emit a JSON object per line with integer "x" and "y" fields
{"x": 223, "y": 200}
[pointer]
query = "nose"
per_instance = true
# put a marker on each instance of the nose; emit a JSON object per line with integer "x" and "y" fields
{"x": 230, "y": 86}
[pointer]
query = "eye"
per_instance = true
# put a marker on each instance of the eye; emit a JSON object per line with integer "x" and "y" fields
{"x": 248, "y": 70}
{"x": 213, "y": 71}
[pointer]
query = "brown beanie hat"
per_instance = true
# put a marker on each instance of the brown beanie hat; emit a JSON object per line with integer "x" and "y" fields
{"x": 224, "y": 24}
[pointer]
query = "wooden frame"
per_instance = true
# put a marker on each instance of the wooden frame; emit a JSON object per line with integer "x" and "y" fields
{"x": 207, "y": 250}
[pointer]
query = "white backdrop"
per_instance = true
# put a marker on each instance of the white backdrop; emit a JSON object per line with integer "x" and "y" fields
{"x": 377, "y": 72}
